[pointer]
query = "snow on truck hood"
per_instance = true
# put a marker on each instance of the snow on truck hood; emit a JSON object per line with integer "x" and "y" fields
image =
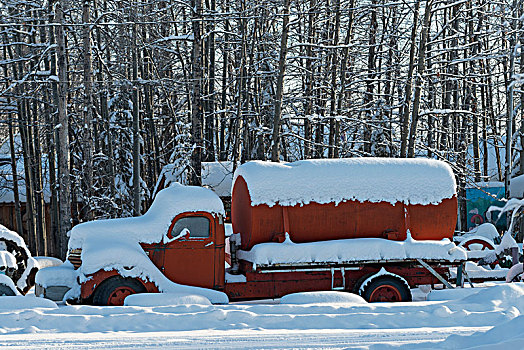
{"x": 410, "y": 181}
{"x": 114, "y": 244}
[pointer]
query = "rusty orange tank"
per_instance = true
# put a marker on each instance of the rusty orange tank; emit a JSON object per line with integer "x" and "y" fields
{"x": 316, "y": 200}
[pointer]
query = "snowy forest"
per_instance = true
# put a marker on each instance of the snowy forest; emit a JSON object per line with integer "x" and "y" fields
{"x": 97, "y": 96}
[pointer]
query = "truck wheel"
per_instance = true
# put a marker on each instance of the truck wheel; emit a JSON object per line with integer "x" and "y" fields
{"x": 477, "y": 244}
{"x": 386, "y": 289}
{"x": 6, "y": 291}
{"x": 115, "y": 289}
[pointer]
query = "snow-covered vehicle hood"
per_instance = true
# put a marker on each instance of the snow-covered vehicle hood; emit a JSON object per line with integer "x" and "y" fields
{"x": 114, "y": 244}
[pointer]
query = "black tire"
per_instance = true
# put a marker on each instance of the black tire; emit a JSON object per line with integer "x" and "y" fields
{"x": 5, "y": 290}
{"x": 114, "y": 290}
{"x": 386, "y": 289}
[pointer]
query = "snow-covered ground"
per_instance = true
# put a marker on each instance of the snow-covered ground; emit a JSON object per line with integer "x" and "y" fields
{"x": 489, "y": 317}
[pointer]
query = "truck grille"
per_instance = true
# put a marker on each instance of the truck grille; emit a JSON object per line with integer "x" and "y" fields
{"x": 75, "y": 257}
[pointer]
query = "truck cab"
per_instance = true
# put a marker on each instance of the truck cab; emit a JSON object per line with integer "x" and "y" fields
{"x": 192, "y": 251}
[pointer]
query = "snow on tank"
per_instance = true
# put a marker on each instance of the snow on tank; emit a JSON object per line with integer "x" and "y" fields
{"x": 409, "y": 181}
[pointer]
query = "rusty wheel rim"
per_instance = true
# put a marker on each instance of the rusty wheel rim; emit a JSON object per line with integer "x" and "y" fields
{"x": 485, "y": 245}
{"x": 118, "y": 295}
{"x": 385, "y": 292}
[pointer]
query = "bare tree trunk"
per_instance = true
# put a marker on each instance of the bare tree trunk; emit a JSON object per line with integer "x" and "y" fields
{"x": 18, "y": 213}
{"x": 87, "y": 140}
{"x": 521, "y": 93}
{"x": 309, "y": 81}
{"x": 334, "y": 74}
{"x": 64, "y": 182}
{"x": 136, "y": 125}
{"x": 407, "y": 94}
{"x": 370, "y": 79}
{"x": 16, "y": 196}
{"x": 196, "y": 96}
{"x": 280, "y": 83}
{"x": 51, "y": 141}
{"x": 418, "y": 79}
{"x": 210, "y": 113}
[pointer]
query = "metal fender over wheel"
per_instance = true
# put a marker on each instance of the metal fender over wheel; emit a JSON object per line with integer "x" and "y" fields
{"x": 115, "y": 289}
{"x": 6, "y": 290}
{"x": 386, "y": 289}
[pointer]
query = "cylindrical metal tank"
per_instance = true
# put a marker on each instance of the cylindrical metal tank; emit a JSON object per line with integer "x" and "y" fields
{"x": 351, "y": 218}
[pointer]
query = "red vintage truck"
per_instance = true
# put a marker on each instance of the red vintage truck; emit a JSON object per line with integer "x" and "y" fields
{"x": 372, "y": 226}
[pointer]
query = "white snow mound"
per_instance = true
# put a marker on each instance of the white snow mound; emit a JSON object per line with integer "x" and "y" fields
{"x": 9, "y": 283}
{"x": 327, "y": 297}
{"x": 165, "y": 299}
{"x": 47, "y": 261}
{"x": 410, "y": 181}
{"x": 64, "y": 275}
{"x": 487, "y": 230}
{"x": 25, "y": 302}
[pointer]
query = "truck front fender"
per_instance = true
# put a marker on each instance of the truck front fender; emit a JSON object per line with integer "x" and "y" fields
{"x": 93, "y": 281}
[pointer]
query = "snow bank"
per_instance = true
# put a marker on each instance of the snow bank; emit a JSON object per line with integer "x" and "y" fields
{"x": 165, "y": 299}
{"x": 488, "y": 307}
{"x": 351, "y": 250}
{"x": 115, "y": 244}
{"x": 451, "y": 294}
{"x": 25, "y": 302}
{"x": 504, "y": 295}
{"x": 487, "y": 230}
{"x": 410, "y": 181}
{"x": 326, "y": 297}
{"x": 64, "y": 275}
{"x": 47, "y": 261}
{"x": 9, "y": 283}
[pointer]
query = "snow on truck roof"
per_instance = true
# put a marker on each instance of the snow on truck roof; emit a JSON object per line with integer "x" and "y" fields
{"x": 410, "y": 181}
{"x": 151, "y": 226}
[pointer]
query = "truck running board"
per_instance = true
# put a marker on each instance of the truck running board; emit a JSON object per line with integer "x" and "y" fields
{"x": 435, "y": 273}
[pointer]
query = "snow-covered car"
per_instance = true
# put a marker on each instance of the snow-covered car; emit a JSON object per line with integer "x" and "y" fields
{"x": 17, "y": 267}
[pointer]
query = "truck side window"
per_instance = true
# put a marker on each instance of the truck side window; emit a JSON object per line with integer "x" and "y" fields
{"x": 198, "y": 226}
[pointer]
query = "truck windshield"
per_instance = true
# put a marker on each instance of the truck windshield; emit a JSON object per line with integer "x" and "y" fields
{"x": 198, "y": 226}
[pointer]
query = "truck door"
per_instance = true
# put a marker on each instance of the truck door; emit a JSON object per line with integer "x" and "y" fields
{"x": 189, "y": 256}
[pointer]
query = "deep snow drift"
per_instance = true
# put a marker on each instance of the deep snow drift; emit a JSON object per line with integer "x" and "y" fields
{"x": 461, "y": 310}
